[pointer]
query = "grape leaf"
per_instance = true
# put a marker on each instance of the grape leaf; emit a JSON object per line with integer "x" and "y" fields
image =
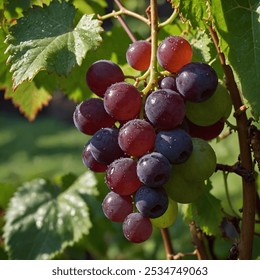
{"x": 196, "y": 11}
{"x": 237, "y": 25}
{"x": 28, "y": 97}
{"x": 45, "y": 39}
{"x": 206, "y": 212}
{"x": 42, "y": 221}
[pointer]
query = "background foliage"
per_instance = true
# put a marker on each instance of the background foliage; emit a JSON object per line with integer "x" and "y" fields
{"x": 43, "y": 183}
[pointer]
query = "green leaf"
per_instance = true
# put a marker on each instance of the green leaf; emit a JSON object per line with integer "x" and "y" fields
{"x": 45, "y": 39}
{"x": 195, "y": 11}
{"x": 206, "y": 212}
{"x": 237, "y": 25}
{"x": 28, "y": 97}
{"x": 41, "y": 220}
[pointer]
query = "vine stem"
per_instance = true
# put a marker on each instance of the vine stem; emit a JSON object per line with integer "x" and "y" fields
{"x": 249, "y": 190}
{"x": 167, "y": 243}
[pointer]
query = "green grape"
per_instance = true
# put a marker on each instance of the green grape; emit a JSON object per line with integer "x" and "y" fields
{"x": 182, "y": 190}
{"x": 200, "y": 165}
{"x": 208, "y": 112}
{"x": 169, "y": 216}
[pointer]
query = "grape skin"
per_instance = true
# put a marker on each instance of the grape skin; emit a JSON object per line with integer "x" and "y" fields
{"x": 168, "y": 82}
{"x": 136, "y": 137}
{"x": 102, "y": 74}
{"x": 196, "y": 81}
{"x": 117, "y": 207}
{"x": 176, "y": 145}
{"x": 121, "y": 176}
{"x": 173, "y": 53}
{"x": 104, "y": 145}
{"x": 153, "y": 169}
{"x": 138, "y": 55}
{"x": 90, "y": 116}
{"x": 122, "y": 101}
{"x": 137, "y": 228}
{"x": 90, "y": 162}
{"x": 168, "y": 217}
{"x": 165, "y": 109}
{"x": 151, "y": 202}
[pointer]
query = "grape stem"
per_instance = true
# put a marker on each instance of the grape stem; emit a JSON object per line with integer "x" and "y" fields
{"x": 154, "y": 41}
{"x": 238, "y": 169}
{"x": 248, "y": 186}
{"x": 170, "y": 19}
{"x": 123, "y": 11}
{"x": 167, "y": 243}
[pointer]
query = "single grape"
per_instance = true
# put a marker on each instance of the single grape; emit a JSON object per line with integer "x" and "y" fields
{"x": 176, "y": 145}
{"x": 196, "y": 81}
{"x": 117, "y": 207}
{"x": 122, "y": 101}
{"x": 205, "y": 132}
{"x": 165, "y": 109}
{"x": 173, "y": 53}
{"x": 90, "y": 162}
{"x": 168, "y": 217}
{"x": 216, "y": 107}
{"x": 102, "y": 74}
{"x": 154, "y": 169}
{"x": 138, "y": 55}
{"x": 200, "y": 165}
{"x": 151, "y": 202}
{"x": 136, "y": 137}
{"x": 182, "y": 189}
{"x": 137, "y": 228}
{"x": 90, "y": 116}
{"x": 121, "y": 176}
{"x": 168, "y": 82}
{"x": 104, "y": 145}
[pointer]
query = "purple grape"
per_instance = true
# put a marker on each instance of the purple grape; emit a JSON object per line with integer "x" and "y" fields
{"x": 102, "y": 74}
{"x": 165, "y": 109}
{"x": 176, "y": 145}
{"x": 104, "y": 145}
{"x": 90, "y": 116}
{"x": 151, "y": 202}
{"x": 137, "y": 228}
{"x": 168, "y": 82}
{"x": 196, "y": 81}
{"x": 116, "y": 207}
{"x": 90, "y": 162}
{"x": 154, "y": 169}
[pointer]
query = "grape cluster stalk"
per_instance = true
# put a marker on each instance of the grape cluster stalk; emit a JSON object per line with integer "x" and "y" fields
{"x": 152, "y": 146}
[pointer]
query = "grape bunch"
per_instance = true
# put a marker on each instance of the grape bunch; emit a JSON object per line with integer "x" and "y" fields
{"x": 153, "y": 148}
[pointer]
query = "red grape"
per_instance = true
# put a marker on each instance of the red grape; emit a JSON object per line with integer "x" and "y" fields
{"x": 122, "y": 101}
{"x": 121, "y": 176}
{"x": 102, "y": 74}
{"x": 117, "y": 207}
{"x": 137, "y": 228}
{"x": 138, "y": 55}
{"x": 205, "y": 132}
{"x": 173, "y": 53}
{"x": 136, "y": 137}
